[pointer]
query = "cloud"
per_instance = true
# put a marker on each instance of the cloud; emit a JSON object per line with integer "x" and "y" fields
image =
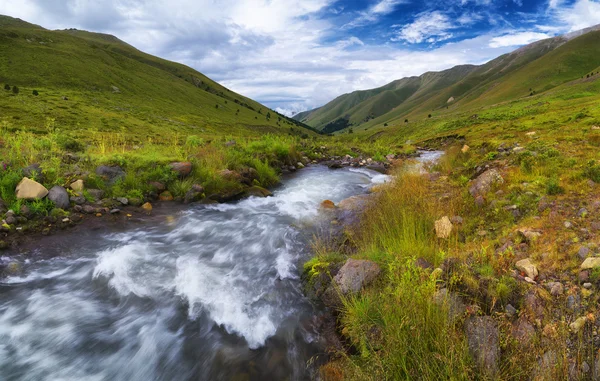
{"x": 583, "y": 14}
{"x": 517, "y": 39}
{"x": 429, "y": 26}
{"x": 373, "y": 13}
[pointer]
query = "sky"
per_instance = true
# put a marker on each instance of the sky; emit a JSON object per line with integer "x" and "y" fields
{"x": 295, "y": 55}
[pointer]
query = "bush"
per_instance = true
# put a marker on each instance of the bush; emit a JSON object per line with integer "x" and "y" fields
{"x": 553, "y": 187}
{"x": 35, "y": 93}
{"x": 70, "y": 144}
{"x": 592, "y": 171}
{"x": 7, "y": 87}
{"x": 194, "y": 141}
{"x": 15, "y": 90}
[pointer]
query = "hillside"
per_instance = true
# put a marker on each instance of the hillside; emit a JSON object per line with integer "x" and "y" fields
{"x": 529, "y": 70}
{"x": 97, "y": 82}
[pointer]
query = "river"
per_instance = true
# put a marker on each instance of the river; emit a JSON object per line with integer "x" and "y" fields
{"x": 210, "y": 293}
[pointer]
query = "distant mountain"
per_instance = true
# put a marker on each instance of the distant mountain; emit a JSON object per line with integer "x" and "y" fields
{"x": 531, "y": 69}
{"x": 94, "y": 81}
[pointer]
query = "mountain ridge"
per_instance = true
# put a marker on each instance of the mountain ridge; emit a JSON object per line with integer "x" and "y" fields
{"x": 462, "y": 86}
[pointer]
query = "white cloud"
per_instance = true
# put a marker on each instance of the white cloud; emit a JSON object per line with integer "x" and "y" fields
{"x": 517, "y": 39}
{"x": 583, "y": 14}
{"x": 430, "y": 26}
{"x": 373, "y": 13}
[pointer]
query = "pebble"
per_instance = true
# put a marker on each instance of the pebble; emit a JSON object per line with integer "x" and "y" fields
{"x": 66, "y": 220}
{"x": 587, "y": 285}
{"x": 115, "y": 211}
{"x": 568, "y": 224}
{"x": 510, "y": 310}
{"x": 98, "y": 214}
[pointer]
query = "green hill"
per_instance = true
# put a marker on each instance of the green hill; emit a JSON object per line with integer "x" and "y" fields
{"x": 532, "y": 69}
{"x": 96, "y": 82}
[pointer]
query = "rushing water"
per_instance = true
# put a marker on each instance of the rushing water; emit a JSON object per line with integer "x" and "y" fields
{"x": 212, "y": 293}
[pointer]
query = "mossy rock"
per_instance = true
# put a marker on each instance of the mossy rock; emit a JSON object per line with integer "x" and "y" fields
{"x": 256, "y": 191}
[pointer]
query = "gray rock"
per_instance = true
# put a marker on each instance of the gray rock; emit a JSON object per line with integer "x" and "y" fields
{"x": 34, "y": 171}
{"x": 523, "y": 331}
{"x": 78, "y": 200}
{"x": 587, "y": 286}
{"x": 11, "y": 219}
{"x": 583, "y": 252}
{"x": 115, "y": 211}
{"x": 352, "y": 277}
{"x": 110, "y": 174}
{"x": 97, "y": 194}
{"x": 483, "y": 341}
{"x": 483, "y": 184}
{"x": 556, "y": 288}
{"x": 59, "y": 196}
{"x": 123, "y": 200}
{"x": 510, "y": 310}
{"x": 455, "y": 305}
{"x": 89, "y": 209}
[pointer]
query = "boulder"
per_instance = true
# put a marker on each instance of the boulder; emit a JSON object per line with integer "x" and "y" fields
{"x": 157, "y": 186}
{"x": 327, "y": 204}
{"x": 377, "y": 167}
{"x": 451, "y": 300}
{"x": 590, "y": 263}
{"x": 59, "y": 196}
{"x": 483, "y": 184}
{"x": 257, "y": 191}
{"x": 248, "y": 175}
{"x": 77, "y": 186}
{"x": 529, "y": 234}
{"x": 230, "y": 175}
{"x": 166, "y": 196}
{"x": 97, "y": 194}
{"x": 443, "y": 227}
{"x": 122, "y": 200}
{"x": 110, "y": 174}
{"x": 526, "y": 266}
{"x": 350, "y": 279}
{"x": 28, "y": 189}
{"x": 523, "y": 331}
{"x": 183, "y": 169}
{"x": 196, "y": 193}
{"x": 147, "y": 207}
{"x": 353, "y": 203}
{"x": 34, "y": 171}
{"x": 483, "y": 341}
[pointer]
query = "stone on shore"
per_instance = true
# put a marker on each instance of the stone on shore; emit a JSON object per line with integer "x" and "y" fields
{"x": 59, "y": 196}
{"x": 77, "y": 186}
{"x": 352, "y": 278}
{"x": 29, "y": 189}
{"x": 590, "y": 263}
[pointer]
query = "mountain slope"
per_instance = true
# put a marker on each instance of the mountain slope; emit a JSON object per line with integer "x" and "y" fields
{"x": 534, "y": 68}
{"x": 98, "y": 82}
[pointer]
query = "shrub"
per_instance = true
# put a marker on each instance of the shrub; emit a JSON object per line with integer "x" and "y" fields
{"x": 7, "y": 87}
{"x": 35, "y": 93}
{"x": 194, "y": 141}
{"x": 15, "y": 90}
{"x": 592, "y": 171}
{"x": 553, "y": 187}
{"x": 69, "y": 143}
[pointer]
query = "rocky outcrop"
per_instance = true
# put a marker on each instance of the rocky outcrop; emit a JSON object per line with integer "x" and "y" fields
{"x": 110, "y": 174}
{"x": 354, "y": 275}
{"x": 483, "y": 184}
{"x": 484, "y": 345}
{"x": 59, "y": 196}
{"x": 28, "y": 189}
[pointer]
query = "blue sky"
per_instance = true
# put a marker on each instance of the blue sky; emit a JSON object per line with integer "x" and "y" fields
{"x": 295, "y": 55}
